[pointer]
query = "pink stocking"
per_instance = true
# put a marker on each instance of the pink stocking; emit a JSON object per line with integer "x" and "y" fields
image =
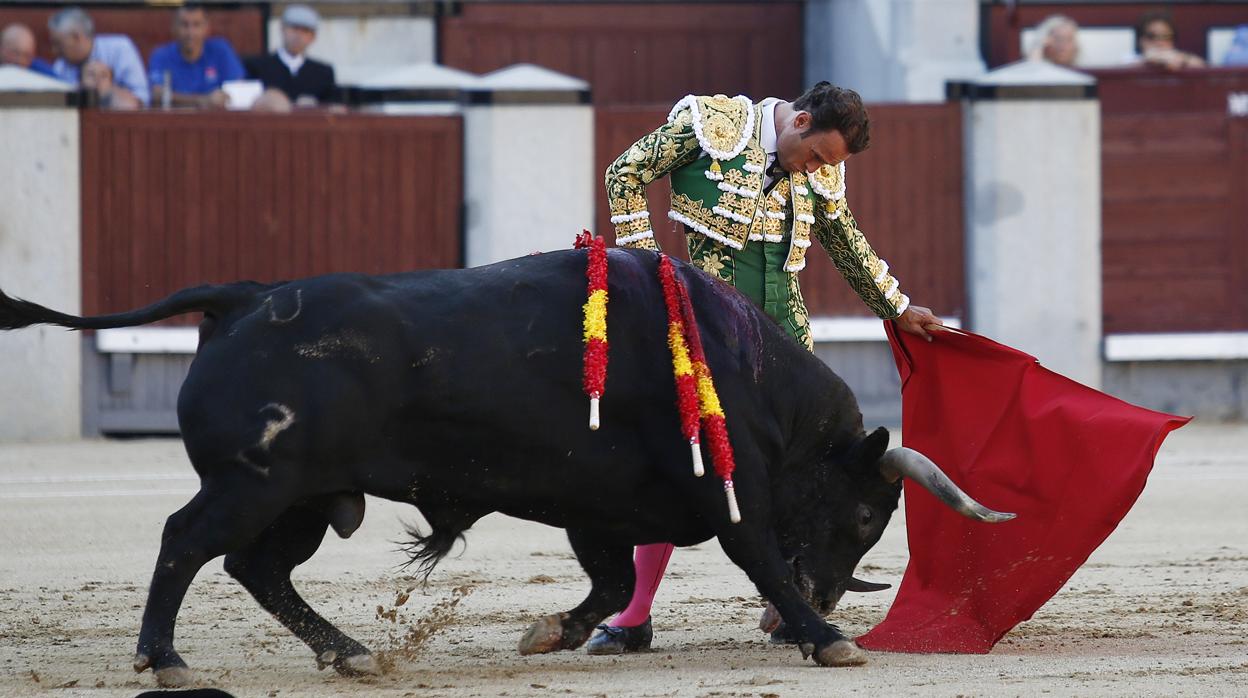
{"x": 650, "y": 562}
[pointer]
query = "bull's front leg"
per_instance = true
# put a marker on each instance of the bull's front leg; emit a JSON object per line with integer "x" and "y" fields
{"x": 609, "y": 565}
{"x": 754, "y": 548}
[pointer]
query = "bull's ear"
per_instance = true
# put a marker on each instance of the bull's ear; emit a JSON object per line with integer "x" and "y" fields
{"x": 873, "y": 447}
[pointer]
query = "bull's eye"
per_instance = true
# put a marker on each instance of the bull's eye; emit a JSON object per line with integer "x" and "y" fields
{"x": 865, "y": 516}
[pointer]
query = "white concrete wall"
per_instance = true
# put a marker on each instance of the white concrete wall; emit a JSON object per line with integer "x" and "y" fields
{"x": 893, "y": 50}
{"x": 1033, "y": 215}
{"x": 344, "y": 42}
{"x": 40, "y": 368}
{"x": 529, "y": 179}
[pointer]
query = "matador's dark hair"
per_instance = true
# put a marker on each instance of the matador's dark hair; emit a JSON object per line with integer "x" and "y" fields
{"x": 836, "y": 108}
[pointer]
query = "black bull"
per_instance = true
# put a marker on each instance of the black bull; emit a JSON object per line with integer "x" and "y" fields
{"x": 460, "y": 392}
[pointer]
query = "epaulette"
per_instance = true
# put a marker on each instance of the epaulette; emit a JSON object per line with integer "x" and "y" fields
{"x": 722, "y": 124}
{"x": 829, "y": 182}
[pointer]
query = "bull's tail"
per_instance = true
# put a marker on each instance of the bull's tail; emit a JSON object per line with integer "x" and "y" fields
{"x": 426, "y": 551}
{"x": 214, "y": 300}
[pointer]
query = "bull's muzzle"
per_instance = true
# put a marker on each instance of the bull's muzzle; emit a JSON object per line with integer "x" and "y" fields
{"x": 907, "y": 462}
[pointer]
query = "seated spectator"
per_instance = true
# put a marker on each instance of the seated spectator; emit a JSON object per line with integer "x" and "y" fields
{"x": 17, "y": 47}
{"x": 98, "y": 78}
{"x": 1237, "y": 55}
{"x": 1056, "y": 40}
{"x": 194, "y": 64}
{"x": 1154, "y": 44}
{"x": 305, "y": 81}
{"x": 73, "y": 37}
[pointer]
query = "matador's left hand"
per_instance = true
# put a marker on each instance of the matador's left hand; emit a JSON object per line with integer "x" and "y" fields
{"x": 918, "y": 320}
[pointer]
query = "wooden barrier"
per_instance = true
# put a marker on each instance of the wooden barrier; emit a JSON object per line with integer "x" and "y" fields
{"x": 905, "y": 191}
{"x": 176, "y": 199}
{"x": 1158, "y": 92}
{"x": 1174, "y": 202}
{"x": 637, "y": 53}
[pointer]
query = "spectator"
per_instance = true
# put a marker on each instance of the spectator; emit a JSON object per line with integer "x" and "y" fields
{"x": 305, "y": 81}
{"x": 1154, "y": 44}
{"x": 17, "y": 47}
{"x": 73, "y": 36}
{"x": 1237, "y": 55}
{"x": 98, "y": 77}
{"x": 195, "y": 64}
{"x": 1056, "y": 40}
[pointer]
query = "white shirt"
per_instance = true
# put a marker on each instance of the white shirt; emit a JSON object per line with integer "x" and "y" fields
{"x": 293, "y": 63}
{"x": 767, "y": 138}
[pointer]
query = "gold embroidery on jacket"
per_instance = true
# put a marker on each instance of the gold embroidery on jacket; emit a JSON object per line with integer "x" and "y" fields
{"x": 668, "y": 147}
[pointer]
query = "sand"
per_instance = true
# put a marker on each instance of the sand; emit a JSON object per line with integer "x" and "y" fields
{"x": 1160, "y": 609}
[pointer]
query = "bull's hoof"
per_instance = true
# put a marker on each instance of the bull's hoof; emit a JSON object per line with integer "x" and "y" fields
{"x": 841, "y": 653}
{"x": 174, "y": 677}
{"x": 545, "y": 635}
{"x": 142, "y": 663}
{"x": 359, "y": 665}
{"x": 325, "y": 659}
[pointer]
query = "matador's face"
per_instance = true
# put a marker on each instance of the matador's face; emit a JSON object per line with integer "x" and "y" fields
{"x": 802, "y": 149}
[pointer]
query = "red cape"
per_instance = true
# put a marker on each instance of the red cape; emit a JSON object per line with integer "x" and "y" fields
{"x": 1069, "y": 460}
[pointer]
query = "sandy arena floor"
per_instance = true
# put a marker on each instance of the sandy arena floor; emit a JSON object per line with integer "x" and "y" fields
{"x": 1160, "y": 609}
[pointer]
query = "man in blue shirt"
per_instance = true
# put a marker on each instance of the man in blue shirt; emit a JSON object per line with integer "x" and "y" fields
{"x": 17, "y": 47}
{"x": 73, "y": 35}
{"x": 194, "y": 64}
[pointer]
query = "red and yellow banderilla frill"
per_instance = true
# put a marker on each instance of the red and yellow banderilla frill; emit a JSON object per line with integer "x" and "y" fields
{"x": 696, "y": 398}
{"x": 686, "y": 381}
{"x": 690, "y": 367}
{"x": 595, "y": 323}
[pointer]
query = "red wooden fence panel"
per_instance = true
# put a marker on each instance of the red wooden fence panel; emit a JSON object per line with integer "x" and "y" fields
{"x": 1175, "y": 241}
{"x": 905, "y": 191}
{"x": 1174, "y": 238}
{"x": 637, "y": 53}
{"x": 176, "y": 199}
{"x": 1157, "y": 91}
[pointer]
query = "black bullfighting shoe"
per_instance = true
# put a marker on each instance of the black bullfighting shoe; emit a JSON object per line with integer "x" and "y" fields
{"x": 611, "y": 640}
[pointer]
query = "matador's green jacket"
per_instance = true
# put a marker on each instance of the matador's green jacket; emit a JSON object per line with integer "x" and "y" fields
{"x": 710, "y": 147}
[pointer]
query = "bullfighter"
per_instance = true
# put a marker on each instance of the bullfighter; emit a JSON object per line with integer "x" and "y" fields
{"x": 752, "y": 183}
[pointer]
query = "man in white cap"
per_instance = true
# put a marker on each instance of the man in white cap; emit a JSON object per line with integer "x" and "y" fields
{"x": 305, "y": 81}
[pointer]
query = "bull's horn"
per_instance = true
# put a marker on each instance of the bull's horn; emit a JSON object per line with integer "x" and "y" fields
{"x": 858, "y": 585}
{"x": 907, "y": 462}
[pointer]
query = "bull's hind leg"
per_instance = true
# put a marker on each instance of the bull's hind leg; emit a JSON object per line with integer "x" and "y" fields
{"x": 609, "y": 565}
{"x": 216, "y": 521}
{"x": 264, "y": 567}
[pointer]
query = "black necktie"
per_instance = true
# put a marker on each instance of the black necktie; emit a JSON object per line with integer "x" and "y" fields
{"x": 777, "y": 173}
